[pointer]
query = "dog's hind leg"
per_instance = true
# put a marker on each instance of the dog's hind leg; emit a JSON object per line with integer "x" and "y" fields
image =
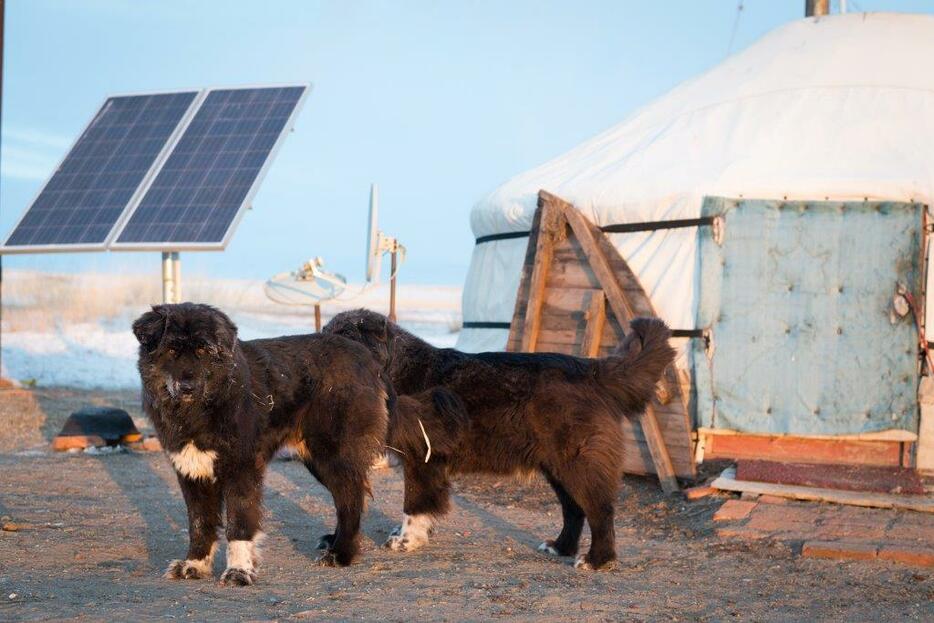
{"x": 567, "y": 542}
{"x": 243, "y": 496}
{"x": 348, "y": 486}
{"x": 427, "y": 495}
{"x": 203, "y": 499}
{"x": 594, "y": 488}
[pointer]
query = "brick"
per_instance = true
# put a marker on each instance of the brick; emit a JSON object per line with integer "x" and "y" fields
{"x": 748, "y": 495}
{"x": 909, "y": 555}
{"x": 741, "y": 532}
{"x": 733, "y": 510}
{"x": 773, "y": 499}
{"x": 696, "y": 493}
{"x": 781, "y": 518}
{"x": 843, "y": 550}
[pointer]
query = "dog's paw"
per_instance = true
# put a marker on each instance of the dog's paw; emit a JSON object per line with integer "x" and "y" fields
{"x": 583, "y": 564}
{"x": 186, "y": 570}
{"x": 548, "y": 547}
{"x": 331, "y": 558}
{"x": 325, "y": 542}
{"x": 238, "y": 576}
{"x": 405, "y": 543}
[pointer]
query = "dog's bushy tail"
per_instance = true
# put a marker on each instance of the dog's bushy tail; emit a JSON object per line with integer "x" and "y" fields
{"x": 442, "y": 415}
{"x": 632, "y": 370}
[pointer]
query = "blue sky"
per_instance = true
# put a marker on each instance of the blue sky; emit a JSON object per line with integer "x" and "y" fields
{"x": 438, "y": 102}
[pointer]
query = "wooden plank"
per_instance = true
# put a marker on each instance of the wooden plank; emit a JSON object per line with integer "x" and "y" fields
{"x": 571, "y": 270}
{"x": 802, "y": 449}
{"x": 596, "y": 259}
{"x": 660, "y": 458}
{"x": 925, "y": 455}
{"x": 921, "y": 503}
{"x": 637, "y": 459}
{"x": 669, "y": 423}
{"x": 899, "y": 480}
{"x": 596, "y": 318}
{"x": 515, "y": 326}
{"x": 551, "y": 229}
{"x": 889, "y": 434}
{"x": 573, "y": 336}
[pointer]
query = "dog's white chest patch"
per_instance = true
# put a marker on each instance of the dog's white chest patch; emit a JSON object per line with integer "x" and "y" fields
{"x": 194, "y": 463}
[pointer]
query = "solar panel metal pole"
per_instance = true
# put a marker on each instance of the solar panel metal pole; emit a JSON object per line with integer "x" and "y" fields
{"x": 168, "y": 294}
{"x": 176, "y": 277}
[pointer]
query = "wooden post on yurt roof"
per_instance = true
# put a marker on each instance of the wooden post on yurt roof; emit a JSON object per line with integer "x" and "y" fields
{"x": 816, "y": 7}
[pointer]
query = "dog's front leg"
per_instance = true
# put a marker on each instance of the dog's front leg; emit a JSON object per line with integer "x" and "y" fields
{"x": 243, "y": 498}
{"x": 203, "y": 499}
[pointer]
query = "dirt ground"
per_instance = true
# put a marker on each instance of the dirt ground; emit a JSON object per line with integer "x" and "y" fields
{"x": 95, "y": 533}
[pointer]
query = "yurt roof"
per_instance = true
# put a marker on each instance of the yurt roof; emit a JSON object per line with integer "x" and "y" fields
{"x": 838, "y": 106}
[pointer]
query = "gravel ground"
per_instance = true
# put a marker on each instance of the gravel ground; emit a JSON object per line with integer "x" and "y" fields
{"x": 95, "y": 532}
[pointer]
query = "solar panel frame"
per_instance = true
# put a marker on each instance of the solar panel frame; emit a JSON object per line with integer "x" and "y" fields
{"x": 155, "y": 167}
{"x": 247, "y": 202}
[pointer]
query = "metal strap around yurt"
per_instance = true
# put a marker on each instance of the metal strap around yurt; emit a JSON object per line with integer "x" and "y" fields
{"x": 618, "y": 228}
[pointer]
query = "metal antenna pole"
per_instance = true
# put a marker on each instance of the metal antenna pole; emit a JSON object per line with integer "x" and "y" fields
{"x": 392, "y": 285}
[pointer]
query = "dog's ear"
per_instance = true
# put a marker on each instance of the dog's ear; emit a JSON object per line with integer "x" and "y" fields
{"x": 225, "y": 335}
{"x": 382, "y": 328}
{"x": 150, "y": 327}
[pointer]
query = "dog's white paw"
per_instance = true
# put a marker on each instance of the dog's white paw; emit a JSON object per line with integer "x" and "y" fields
{"x": 238, "y": 576}
{"x": 399, "y": 543}
{"x": 412, "y": 534}
{"x": 187, "y": 570}
{"x": 548, "y": 548}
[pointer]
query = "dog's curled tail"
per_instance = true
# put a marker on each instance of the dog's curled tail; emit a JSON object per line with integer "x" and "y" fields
{"x": 632, "y": 370}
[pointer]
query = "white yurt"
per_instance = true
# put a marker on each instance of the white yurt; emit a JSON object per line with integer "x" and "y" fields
{"x": 835, "y": 108}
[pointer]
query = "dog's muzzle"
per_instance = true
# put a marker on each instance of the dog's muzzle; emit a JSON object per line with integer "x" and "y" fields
{"x": 181, "y": 390}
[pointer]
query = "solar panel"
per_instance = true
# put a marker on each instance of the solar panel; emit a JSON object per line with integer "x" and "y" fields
{"x": 214, "y": 170}
{"x": 86, "y": 195}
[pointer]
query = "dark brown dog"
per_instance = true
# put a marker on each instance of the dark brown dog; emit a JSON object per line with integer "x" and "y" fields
{"x": 222, "y": 407}
{"x": 505, "y": 413}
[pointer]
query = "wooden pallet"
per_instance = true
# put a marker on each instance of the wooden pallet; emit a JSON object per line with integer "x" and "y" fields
{"x": 577, "y": 296}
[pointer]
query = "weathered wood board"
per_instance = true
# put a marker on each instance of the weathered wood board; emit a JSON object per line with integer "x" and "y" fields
{"x": 576, "y": 297}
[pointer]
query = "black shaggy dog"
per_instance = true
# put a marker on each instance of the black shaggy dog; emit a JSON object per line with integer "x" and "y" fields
{"x": 505, "y": 413}
{"x": 222, "y": 407}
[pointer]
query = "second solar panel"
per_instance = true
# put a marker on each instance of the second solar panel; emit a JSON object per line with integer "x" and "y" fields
{"x": 198, "y": 195}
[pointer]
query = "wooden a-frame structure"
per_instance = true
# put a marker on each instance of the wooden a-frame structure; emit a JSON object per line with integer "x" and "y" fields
{"x": 577, "y": 296}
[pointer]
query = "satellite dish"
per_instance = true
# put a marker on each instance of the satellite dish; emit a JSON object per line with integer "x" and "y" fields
{"x": 309, "y": 285}
{"x": 373, "y": 253}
